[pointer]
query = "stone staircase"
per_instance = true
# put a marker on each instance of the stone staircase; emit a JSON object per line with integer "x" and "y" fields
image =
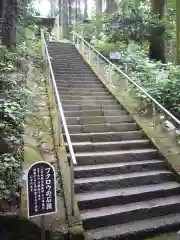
{"x": 123, "y": 186}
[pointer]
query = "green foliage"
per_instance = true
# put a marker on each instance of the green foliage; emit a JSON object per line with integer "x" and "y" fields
{"x": 161, "y": 81}
{"x": 14, "y": 109}
{"x": 85, "y": 29}
{"x": 134, "y": 22}
{"x": 11, "y": 170}
{"x": 129, "y": 32}
{"x": 102, "y": 46}
{"x": 13, "y": 105}
{"x": 92, "y": 29}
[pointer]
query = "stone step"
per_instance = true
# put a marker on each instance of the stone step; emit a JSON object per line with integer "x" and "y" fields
{"x": 61, "y": 47}
{"x": 127, "y": 195}
{"x": 90, "y": 102}
{"x": 59, "y": 70}
{"x": 71, "y": 55}
{"x": 86, "y": 98}
{"x": 136, "y": 230}
{"x": 107, "y": 136}
{"x": 84, "y": 75}
{"x": 53, "y": 46}
{"x": 78, "y": 61}
{"x": 122, "y": 184}
{"x": 88, "y": 128}
{"x": 69, "y": 78}
{"x": 76, "y": 89}
{"x": 72, "y": 65}
{"x": 59, "y": 50}
{"x": 75, "y": 80}
{"x": 76, "y": 73}
{"x": 60, "y": 64}
{"x": 70, "y": 84}
{"x": 92, "y": 184}
{"x": 87, "y": 107}
{"x": 107, "y": 169}
{"x": 67, "y": 55}
{"x": 88, "y": 158}
{"x": 111, "y": 146}
{"x": 80, "y": 93}
{"x": 63, "y": 64}
{"x": 120, "y": 214}
{"x": 92, "y": 84}
{"x": 98, "y": 119}
{"x": 95, "y": 113}
{"x": 74, "y": 69}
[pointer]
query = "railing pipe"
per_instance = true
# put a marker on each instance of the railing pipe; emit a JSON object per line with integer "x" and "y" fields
{"x": 130, "y": 80}
{"x": 64, "y": 124}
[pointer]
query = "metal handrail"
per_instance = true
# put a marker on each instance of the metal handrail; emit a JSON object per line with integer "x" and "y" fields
{"x": 63, "y": 120}
{"x": 61, "y": 112}
{"x": 128, "y": 78}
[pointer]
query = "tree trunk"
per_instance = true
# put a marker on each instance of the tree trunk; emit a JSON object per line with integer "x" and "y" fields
{"x": 65, "y": 19}
{"x": 111, "y": 6}
{"x": 1, "y": 8}
{"x": 52, "y": 8}
{"x": 157, "y": 45}
{"x": 70, "y": 11}
{"x": 98, "y": 6}
{"x": 79, "y": 10}
{"x": 76, "y": 11}
{"x": 85, "y": 9}
{"x": 60, "y": 12}
{"x": 9, "y": 23}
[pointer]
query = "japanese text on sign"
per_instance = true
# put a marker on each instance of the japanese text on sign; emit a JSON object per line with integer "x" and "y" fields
{"x": 41, "y": 188}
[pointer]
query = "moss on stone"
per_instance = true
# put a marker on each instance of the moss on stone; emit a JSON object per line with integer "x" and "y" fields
{"x": 168, "y": 236}
{"x": 76, "y": 232}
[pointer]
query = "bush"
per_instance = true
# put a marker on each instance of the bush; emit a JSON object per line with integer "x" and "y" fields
{"x": 14, "y": 109}
{"x": 161, "y": 81}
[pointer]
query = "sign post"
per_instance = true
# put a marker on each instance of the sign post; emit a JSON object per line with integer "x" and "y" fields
{"x": 115, "y": 55}
{"x": 41, "y": 192}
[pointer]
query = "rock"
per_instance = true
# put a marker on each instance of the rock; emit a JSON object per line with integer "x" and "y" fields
{"x": 23, "y": 65}
{"x": 169, "y": 125}
{"x": 178, "y": 132}
{"x": 46, "y": 147}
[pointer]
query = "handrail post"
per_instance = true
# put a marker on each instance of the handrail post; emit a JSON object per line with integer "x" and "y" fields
{"x": 110, "y": 77}
{"x": 154, "y": 118}
{"x": 73, "y": 38}
{"x": 77, "y": 43}
{"x": 98, "y": 64}
{"x": 83, "y": 48}
{"x": 89, "y": 54}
